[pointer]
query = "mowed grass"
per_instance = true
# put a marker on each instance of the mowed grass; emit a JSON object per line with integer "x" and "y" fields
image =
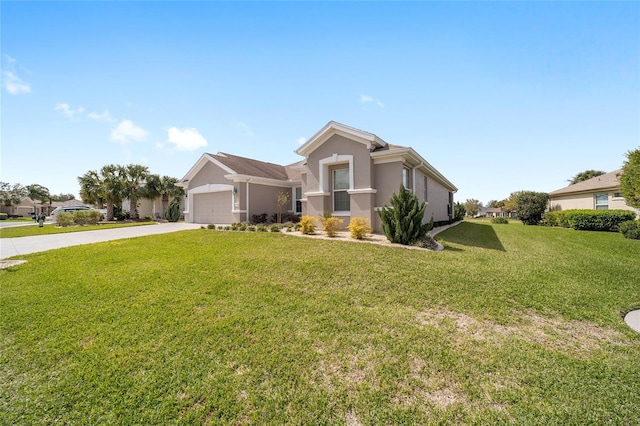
{"x": 28, "y": 231}
{"x": 509, "y": 324}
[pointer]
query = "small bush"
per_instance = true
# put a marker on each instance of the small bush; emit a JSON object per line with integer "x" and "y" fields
{"x": 500, "y": 220}
{"x": 259, "y": 218}
{"x": 227, "y": 228}
{"x": 93, "y": 217}
{"x": 80, "y": 217}
{"x": 359, "y": 227}
{"x": 262, "y": 228}
{"x": 630, "y": 229}
{"x": 275, "y": 228}
{"x": 331, "y": 225}
{"x": 148, "y": 217}
{"x": 211, "y": 226}
{"x": 307, "y": 225}
{"x": 173, "y": 211}
{"x": 64, "y": 219}
{"x": 3, "y": 216}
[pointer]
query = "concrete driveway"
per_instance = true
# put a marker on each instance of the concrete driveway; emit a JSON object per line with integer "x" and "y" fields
{"x": 10, "y": 247}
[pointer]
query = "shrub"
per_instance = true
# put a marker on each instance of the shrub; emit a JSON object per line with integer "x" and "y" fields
{"x": 500, "y": 220}
{"x": 459, "y": 211}
{"x": 276, "y": 228}
{"x": 242, "y": 227}
{"x": 630, "y": 229}
{"x": 80, "y": 217}
{"x": 251, "y": 228}
{"x": 597, "y": 220}
{"x": 173, "y": 211}
{"x": 359, "y": 227}
{"x": 211, "y": 226}
{"x": 64, "y": 219}
{"x": 402, "y": 223}
{"x": 331, "y": 225}
{"x": 307, "y": 225}
{"x": 3, "y": 216}
{"x": 93, "y": 217}
{"x": 262, "y": 228}
{"x": 530, "y": 206}
{"x": 259, "y": 218}
{"x": 227, "y": 228}
{"x": 148, "y": 217}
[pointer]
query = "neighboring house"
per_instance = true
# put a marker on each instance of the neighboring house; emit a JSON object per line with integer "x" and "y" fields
{"x": 150, "y": 208}
{"x": 598, "y": 193}
{"x": 27, "y": 206}
{"x": 498, "y": 212}
{"x": 346, "y": 172}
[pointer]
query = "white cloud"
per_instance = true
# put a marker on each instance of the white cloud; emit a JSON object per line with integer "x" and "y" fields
{"x": 245, "y": 128}
{"x": 69, "y": 112}
{"x": 187, "y": 139}
{"x": 14, "y": 84}
{"x": 126, "y": 132}
{"x": 366, "y": 99}
{"x": 301, "y": 140}
{"x": 104, "y": 116}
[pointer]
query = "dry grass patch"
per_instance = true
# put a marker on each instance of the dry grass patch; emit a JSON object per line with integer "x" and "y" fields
{"x": 577, "y": 338}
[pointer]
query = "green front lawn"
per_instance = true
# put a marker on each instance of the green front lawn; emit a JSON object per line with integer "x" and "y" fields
{"x": 509, "y": 324}
{"x": 28, "y": 231}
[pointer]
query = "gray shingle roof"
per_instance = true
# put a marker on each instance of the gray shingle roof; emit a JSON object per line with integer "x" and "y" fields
{"x": 609, "y": 180}
{"x": 251, "y": 167}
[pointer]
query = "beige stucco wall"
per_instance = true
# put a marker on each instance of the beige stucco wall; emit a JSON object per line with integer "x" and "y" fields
{"x": 209, "y": 173}
{"x": 262, "y": 199}
{"x": 340, "y": 145}
{"x": 587, "y": 201}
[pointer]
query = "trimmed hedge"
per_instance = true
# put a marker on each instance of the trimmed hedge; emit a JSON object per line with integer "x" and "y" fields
{"x": 589, "y": 220}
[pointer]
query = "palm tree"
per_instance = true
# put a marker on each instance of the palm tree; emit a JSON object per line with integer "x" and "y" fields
{"x": 165, "y": 187}
{"x": 135, "y": 179}
{"x": 103, "y": 187}
{"x": 38, "y": 192}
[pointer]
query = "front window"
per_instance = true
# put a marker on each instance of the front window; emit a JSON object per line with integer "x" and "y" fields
{"x": 298, "y": 200}
{"x": 426, "y": 192}
{"x": 341, "y": 199}
{"x": 602, "y": 201}
{"x": 406, "y": 177}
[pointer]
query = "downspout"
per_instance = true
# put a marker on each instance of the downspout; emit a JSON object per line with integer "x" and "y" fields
{"x": 247, "y": 209}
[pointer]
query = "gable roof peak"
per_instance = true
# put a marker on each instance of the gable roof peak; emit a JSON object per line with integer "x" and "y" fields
{"x": 333, "y": 127}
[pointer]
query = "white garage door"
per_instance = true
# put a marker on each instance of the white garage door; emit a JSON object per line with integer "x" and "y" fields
{"x": 212, "y": 207}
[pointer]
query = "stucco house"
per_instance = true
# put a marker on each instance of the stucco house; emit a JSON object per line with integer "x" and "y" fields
{"x": 598, "y": 193}
{"x": 345, "y": 171}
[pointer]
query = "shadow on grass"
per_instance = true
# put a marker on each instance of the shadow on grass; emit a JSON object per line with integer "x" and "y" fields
{"x": 473, "y": 235}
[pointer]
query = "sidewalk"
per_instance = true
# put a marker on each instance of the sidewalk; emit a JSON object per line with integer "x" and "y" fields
{"x": 10, "y": 247}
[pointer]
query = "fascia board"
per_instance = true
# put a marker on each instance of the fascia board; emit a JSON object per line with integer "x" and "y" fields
{"x": 263, "y": 181}
{"x": 333, "y": 128}
{"x": 202, "y": 161}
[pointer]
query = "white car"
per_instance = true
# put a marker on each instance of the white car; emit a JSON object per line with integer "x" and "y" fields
{"x": 69, "y": 209}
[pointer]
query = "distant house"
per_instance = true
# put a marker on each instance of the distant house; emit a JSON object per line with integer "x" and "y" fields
{"x": 27, "y": 206}
{"x": 598, "y": 193}
{"x": 498, "y": 212}
{"x": 345, "y": 171}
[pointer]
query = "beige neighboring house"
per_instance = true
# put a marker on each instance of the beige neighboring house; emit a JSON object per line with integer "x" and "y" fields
{"x": 150, "y": 208}
{"x": 598, "y": 193}
{"x": 498, "y": 212}
{"x": 27, "y": 206}
{"x": 345, "y": 171}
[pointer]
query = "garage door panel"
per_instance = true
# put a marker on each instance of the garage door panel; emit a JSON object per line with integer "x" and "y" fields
{"x": 213, "y": 207}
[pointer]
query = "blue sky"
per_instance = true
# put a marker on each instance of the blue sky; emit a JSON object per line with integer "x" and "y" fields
{"x": 498, "y": 96}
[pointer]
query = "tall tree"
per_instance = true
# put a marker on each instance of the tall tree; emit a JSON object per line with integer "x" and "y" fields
{"x": 11, "y": 194}
{"x": 165, "y": 187}
{"x": 630, "y": 179}
{"x": 472, "y": 206}
{"x": 510, "y": 204}
{"x": 103, "y": 187}
{"x": 494, "y": 204}
{"x": 39, "y": 193}
{"x": 582, "y": 176}
{"x": 134, "y": 179}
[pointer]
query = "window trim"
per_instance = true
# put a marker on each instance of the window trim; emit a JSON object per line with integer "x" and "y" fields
{"x": 345, "y": 190}
{"x": 597, "y": 206}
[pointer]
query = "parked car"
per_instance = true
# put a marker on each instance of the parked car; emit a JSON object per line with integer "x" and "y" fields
{"x": 69, "y": 209}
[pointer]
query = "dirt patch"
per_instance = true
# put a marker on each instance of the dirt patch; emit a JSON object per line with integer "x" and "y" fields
{"x": 578, "y": 338}
{"x": 9, "y": 263}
